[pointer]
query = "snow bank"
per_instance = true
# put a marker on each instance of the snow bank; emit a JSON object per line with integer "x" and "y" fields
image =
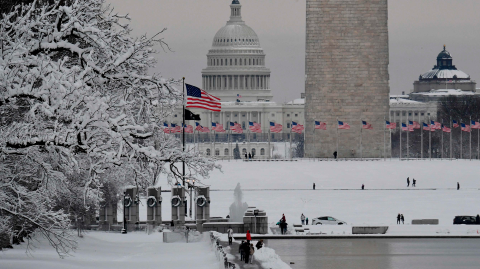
{"x": 269, "y": 259}
{"x": 114, "y": 251}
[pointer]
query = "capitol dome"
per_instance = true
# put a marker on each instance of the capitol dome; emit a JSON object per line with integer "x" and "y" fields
{"x": 236, "y": 35}
{"x": 236, "y": 62}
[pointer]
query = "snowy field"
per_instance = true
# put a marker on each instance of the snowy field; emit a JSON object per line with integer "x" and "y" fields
{"x": 115, "y": 251}
{"x": 286, "y": 187}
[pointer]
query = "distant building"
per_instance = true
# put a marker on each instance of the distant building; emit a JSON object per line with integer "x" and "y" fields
{"x": 444, "y": 75}
{"x": 443, "y": 80}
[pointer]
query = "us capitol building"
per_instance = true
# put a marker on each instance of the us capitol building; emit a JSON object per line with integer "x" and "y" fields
{"x": 236, "y": 67}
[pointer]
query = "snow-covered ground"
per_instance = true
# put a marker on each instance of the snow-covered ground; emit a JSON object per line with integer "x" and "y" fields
{"x": 286, "y": 187}
{"x": 116, "y": 251}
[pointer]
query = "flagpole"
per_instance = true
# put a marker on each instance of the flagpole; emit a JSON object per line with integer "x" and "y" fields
{"x": 461, "y": 141}
{"x": 408, "y": 133}
{"x": 290, "y": 150}
{"x": 183, "y": 149}
{"x": 401, "y": 122}
{"x": 183, "y": 135}
{"x": 337, "y": 138}
{"x": 361, "y": 136}
{"x": 384, "y": 139}
{"x": 391, "y": 153}
{"x": 421, "y": 141}
{"x": 442, "y": 139}
{"x": 314, "y": 138}
{"x": 478, "y": 142}
{"x": 450, "y": 145}
{"x": 430, "y": 139}
{"x": 470, "y": 138}
{"x": 269, "y": 136}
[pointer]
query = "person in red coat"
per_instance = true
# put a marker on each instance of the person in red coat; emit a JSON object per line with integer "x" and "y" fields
{"x": 249, "y": 237}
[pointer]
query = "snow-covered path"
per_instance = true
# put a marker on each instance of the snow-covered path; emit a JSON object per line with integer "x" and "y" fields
{"x": 115, "y": 251}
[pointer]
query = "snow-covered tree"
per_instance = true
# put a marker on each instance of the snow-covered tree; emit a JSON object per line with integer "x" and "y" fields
{"x": 77, "y": 101}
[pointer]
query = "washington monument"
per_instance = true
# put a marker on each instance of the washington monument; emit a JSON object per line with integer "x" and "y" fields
{"x": 346, "y": 76}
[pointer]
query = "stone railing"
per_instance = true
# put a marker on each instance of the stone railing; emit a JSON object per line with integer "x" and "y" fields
{"x": 220, "y": 253}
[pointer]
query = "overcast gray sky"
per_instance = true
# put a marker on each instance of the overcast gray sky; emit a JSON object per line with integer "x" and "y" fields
{"x": 418, "y": 30}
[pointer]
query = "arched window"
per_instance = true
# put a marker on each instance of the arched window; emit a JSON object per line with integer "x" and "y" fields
{"x": 262, "y": 152}
{"x": 254, "y": 151}
{"x": 244, "y": 151}
{"x": 226, "y": 152}
{"x": 208, "y": 152}
{"x": 217, "y": 152}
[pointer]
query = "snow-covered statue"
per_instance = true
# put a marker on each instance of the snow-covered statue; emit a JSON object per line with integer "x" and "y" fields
{"x": 237, "y": 208}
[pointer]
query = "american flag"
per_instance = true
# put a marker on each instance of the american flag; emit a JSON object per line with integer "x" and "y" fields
{"x": 255, "y": 127}
{"x": 175, "y": 128}
{"x": 404, "y": 127}
{"x": 416, "y": 125}
{"x": 465, "y": 128}
{"x": 320, "y": 125}
{"x": 217, "y": 127}
{"x": 297, "y": 128}
{"x": 199, "y": 98}
{"x": 475, "y": 125}
{"x": 342, "y": 125}
{"x": 390, "y": 125}
{"x": 188, "y": 129}
{"x": 446, "y": 129}
{"x": 410, "y": 126}
{"x": 455, "y": 124}
{"x": 199, "y": 127}
{"x": 426, "y": 127}
{"x": 236, "y": 128}
{"x": 239, "y": 96}
{"x": 166, "y": 128}
{"x": 275, "y": 127}
{"x": 366, "y": 125}
{"x": 436, "y": 125}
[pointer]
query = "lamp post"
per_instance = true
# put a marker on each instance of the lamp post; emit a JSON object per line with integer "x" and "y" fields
{"x": 124, "y": 230}
{"x": 191, "y": 187}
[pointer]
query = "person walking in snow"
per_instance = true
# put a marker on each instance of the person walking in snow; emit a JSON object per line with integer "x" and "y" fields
{"x": 414, "y": 183}
{"x": 306, "y": 221}
{"x": 458, "y": 186}
{"x": 252, "y": 251}
{"x": 249, "y": 237}
{"x": 246, "y": 251}
{"x": 240, "y": 249}
{"x": 302, "y": 218}
{"x": 477, "y": 219}
{"x": 363, "y": 187}
{"x": 283, "y": 219}
{"x": 249, "y": 156}
{"x": 398, "y": 218}
{"x": 408, "y": 181}
{"x": 230, "y": 235}
{"x": 313, "y": 186}
{"x": 402, "y": 218}
{"x": 335, "y": 155}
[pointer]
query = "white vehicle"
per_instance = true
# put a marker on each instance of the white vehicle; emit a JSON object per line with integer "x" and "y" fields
{"x": 327, "y": 221}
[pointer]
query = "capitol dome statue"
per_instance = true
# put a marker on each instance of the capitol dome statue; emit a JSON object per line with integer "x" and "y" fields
{"x": 236, "y": 62}
{"x": 444, "y": 75}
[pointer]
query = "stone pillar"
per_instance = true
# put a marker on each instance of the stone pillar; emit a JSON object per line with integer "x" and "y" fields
{"x": 346, "y": 74}
{"x": 178, "y": 206}
{"x": 202, "y": 203}
{"x": 107, "y": 215}
{"x": 154, "y": 206}
{"x": 132, "y": 211}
